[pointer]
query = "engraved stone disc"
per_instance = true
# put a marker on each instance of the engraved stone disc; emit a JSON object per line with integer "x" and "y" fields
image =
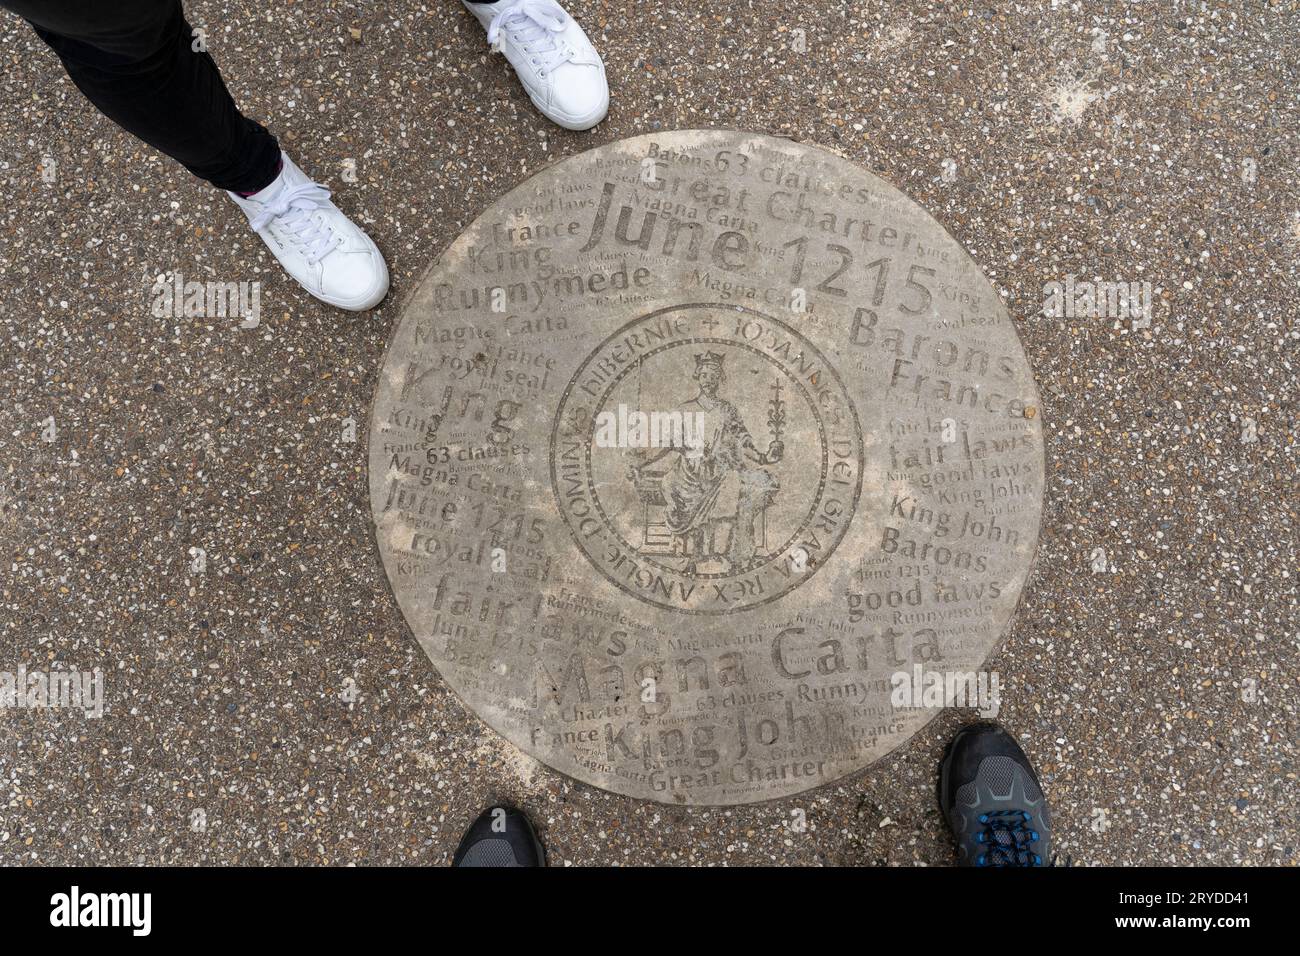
{"x": 686, "y": 448}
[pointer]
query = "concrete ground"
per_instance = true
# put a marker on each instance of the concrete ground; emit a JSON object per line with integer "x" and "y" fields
{"x": 274, "y": 708}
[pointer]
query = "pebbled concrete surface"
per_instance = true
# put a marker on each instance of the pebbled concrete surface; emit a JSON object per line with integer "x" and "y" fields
{"x": 1117, "y": 141}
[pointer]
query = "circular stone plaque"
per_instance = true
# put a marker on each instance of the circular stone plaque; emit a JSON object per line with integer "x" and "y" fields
{"x": 706, "y": 468}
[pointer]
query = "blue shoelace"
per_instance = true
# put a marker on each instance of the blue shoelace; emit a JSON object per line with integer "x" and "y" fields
{"x": 1013, "y": 849}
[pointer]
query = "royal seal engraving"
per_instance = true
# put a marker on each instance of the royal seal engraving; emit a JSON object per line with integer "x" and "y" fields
{"x": 692, "y": 453}
{"x": 736, "y": 519}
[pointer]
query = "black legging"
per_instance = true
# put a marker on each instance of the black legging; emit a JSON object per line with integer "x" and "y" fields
{"x": 135, "y": 60}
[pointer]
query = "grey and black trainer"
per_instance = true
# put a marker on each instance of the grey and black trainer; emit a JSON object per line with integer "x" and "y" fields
{"x": 991, "y": 797}
{"x": 501, "y": 836}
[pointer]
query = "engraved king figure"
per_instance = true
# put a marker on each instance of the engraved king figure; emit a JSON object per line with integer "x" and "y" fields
{"x": 718, "y": 487}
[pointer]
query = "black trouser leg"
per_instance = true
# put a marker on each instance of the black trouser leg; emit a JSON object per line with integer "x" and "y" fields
{"x": 134, "y": 59}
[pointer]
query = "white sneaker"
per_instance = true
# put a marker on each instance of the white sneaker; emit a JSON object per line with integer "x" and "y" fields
{"x": 322, "y": 249}
{"x": 555, "y": 61}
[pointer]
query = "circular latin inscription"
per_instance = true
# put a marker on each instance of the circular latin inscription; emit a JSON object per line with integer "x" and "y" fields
{"x": 706, "y": 468}
{"x": 663, "y": 485}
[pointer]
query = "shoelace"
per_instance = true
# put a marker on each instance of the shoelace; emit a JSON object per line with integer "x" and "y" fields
{"x": 1009, "y": 836}
{"x": 536, "y": 21}
{"x": 293, "y": 207}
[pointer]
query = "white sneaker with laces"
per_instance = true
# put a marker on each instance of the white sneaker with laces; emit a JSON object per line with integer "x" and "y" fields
{"x": 557, "y": 64}
{"x": 322, "y": 249}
